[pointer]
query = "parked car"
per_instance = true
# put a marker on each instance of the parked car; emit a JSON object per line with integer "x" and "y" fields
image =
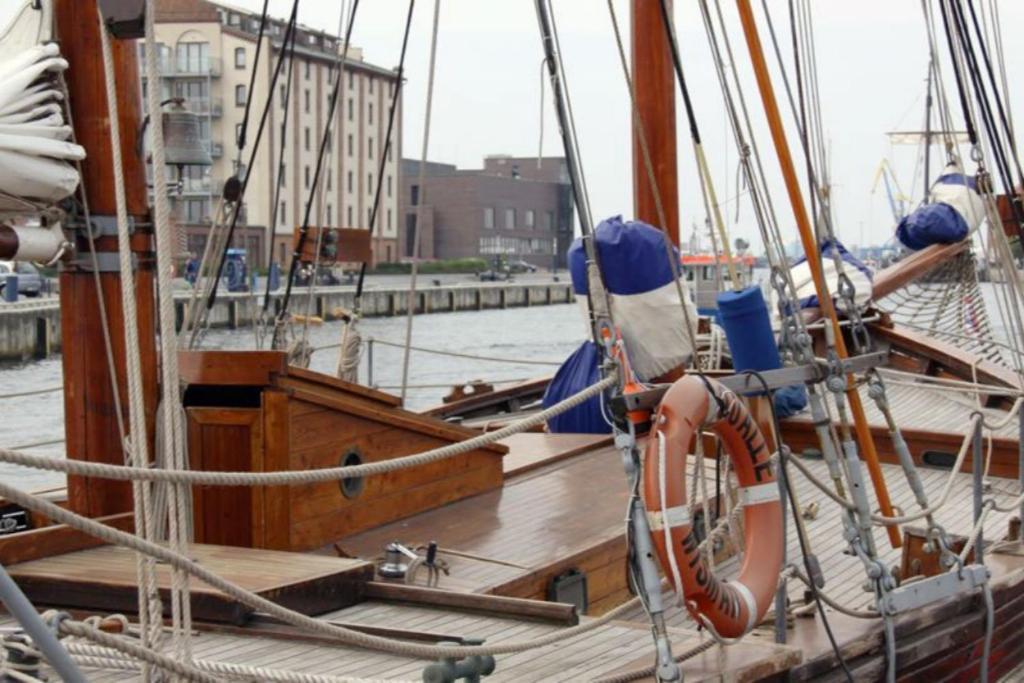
{"x": 522, "y": 267}
{"x": 30, "y": 282}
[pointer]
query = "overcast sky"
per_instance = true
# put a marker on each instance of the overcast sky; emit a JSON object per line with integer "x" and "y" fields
{"x": 872, "y": 60}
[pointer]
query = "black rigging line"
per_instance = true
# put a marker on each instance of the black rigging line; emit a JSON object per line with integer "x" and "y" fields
{"x": 802, "y": 118}
{"x": 252, "y": 83}
{"x": 399, "y": 77}
{"x": 995, "y": 89}
{"x": 804, "y": 552}
{"x": 955, "y": 14}
{"x": 673, "y": 44}
{"x": 325, "y": 139}
{"x": 230, "y": 186}
{"x": 275, "y": 204}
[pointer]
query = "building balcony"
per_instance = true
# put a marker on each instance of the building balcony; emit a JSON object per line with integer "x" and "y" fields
{"x": 169, "y": 67}
{"x": 205, "y": 106}
{"x": 216, "y": 150}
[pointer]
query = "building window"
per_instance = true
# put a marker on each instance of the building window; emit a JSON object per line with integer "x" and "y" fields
{"x": 528, "y": 219}
{"x": 238, "y": 134}
{"x": 306, "y": 170}
{"x": 305, "y": 134}
{"x": 369, "y": 216}
{"x": 489, "y": 218}
{"x": 510, "y": 219}
{"x": 283, "y": 95}
{"x": 349, "y": 215}
{"x": 349, "y": 184}
{"x": 307, "y": 70}
{"x": 371, "y": 86}
{"x": 193, "y": 58}
{"x": 414, "y": 195}
{"x": 239, "y": 57}
{"x": 240, "y": 95}
{"x": 305, "y": 94}
{"x": 369, "y": 183}
{"x": 351, "y": 80}
{"x": 281, "y": 254}
{"x": 410, "y": 233}
{"x": 350, "y": 145}
{"x": 389, "y": 187}
{"x": 329, "y": 174}
{"x": 389, "y": 219}
{"x": 329, "y": 207}
{"x": 371, "y": 110}
{"x": 549, "y": 220}
{"x": 351, "y": 108}
{"x": 284, "y": 212}
{"x": 369, "y": 148}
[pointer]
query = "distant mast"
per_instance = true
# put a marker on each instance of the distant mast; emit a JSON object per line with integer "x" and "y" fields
{"x": 654, "y": 85}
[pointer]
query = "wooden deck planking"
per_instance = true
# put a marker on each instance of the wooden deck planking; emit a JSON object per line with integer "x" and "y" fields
{"x": 531, "y": 450}
{"x": 105, "y": 578}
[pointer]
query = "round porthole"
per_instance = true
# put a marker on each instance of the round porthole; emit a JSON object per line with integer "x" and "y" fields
{"x": 351, "y": 488}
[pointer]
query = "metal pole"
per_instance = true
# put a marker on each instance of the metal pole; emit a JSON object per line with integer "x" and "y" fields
{"x": 780, "y": 594}
{"x": 369, "y": 362}
{"x": 45, "y": 639}
{"x": 1020, "y": 468}
{"x": 978, "y": 468}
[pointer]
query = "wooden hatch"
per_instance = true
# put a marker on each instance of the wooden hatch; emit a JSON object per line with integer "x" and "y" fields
{"x": 249, "y": 411}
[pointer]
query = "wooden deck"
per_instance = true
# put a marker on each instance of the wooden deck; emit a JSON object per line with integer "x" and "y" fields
{"x": 105, "y": 578}
{"x": 549, "y": 518}
{"x": 616, "y": 647}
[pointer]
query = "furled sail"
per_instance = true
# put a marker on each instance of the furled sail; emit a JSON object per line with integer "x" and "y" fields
{"x": 36, "y": 157}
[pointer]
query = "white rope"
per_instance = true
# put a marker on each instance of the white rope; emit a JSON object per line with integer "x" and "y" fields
{"x": 946, "y": 489}
{"x": 257, "y": 602}
{"x": 410, "y": 302}
{"x": 112, "y": 658}
{"x": 677, "y": 580}
{"x": 174, "y": 432}
{"x": 136, "y": 441}
{"x": 197, "y": 477}
{"x": 351, "y": 351}
{"x": 453, "y": 354}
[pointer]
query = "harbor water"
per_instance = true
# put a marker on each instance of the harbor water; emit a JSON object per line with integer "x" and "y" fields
{"x": 543, "y": 333}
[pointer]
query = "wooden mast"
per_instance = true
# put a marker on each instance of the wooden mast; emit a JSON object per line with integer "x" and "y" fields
{"x": 90, "y": 419}
{"x": 654, "y": 85}
{"x": 810, "y": 245}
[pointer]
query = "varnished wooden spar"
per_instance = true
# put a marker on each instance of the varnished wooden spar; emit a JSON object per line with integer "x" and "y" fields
{"x": 89, "y": 411}
{"x": 654, "y": 85}
{"x": 810, "y": 245}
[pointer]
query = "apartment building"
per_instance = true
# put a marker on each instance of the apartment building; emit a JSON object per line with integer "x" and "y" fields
{"x": 518, "y": 207}
{"x": 207, "y": 54}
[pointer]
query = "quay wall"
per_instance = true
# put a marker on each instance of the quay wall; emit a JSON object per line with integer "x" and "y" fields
{"x": 31, "y": 329}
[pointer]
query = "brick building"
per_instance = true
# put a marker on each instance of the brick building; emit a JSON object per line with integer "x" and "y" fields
{"x": 513, "y": 207}
{"x": 206, "y": 55}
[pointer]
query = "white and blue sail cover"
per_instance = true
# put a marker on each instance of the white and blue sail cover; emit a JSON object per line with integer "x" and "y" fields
{"x": 858, "y": 273}
{"x": 642, "y": 291}
{"x": 645, "y": 305}
{"x": 953, "y": 211}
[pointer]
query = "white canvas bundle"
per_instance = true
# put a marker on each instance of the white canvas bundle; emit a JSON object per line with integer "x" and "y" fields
{"x": 653, "y": 327}
{"x": 36, "y": 157}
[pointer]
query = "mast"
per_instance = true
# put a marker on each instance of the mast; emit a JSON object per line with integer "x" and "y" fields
{"x": 810, "y": 245}
{"x": 90, "y": 419}
{"x": 654, "y": 85}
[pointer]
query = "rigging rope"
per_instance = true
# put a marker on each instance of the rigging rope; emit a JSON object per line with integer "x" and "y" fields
{"x": 136, "y": 441}
{"x": 178, "y": 498}
{"x": 288, "y": 477}
{"x": 410, "y": 302}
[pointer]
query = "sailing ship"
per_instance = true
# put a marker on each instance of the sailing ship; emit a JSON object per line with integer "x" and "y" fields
{"x": 232, "y": 515}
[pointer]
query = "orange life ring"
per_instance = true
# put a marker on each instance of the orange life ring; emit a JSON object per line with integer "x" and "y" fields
{"x": 734, "y": 607}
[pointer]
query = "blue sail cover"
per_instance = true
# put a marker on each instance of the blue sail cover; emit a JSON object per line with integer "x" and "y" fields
{"x": 955, "y": 208}
{"x": 577, "y": 373}
{"x": 632, "y": 257}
